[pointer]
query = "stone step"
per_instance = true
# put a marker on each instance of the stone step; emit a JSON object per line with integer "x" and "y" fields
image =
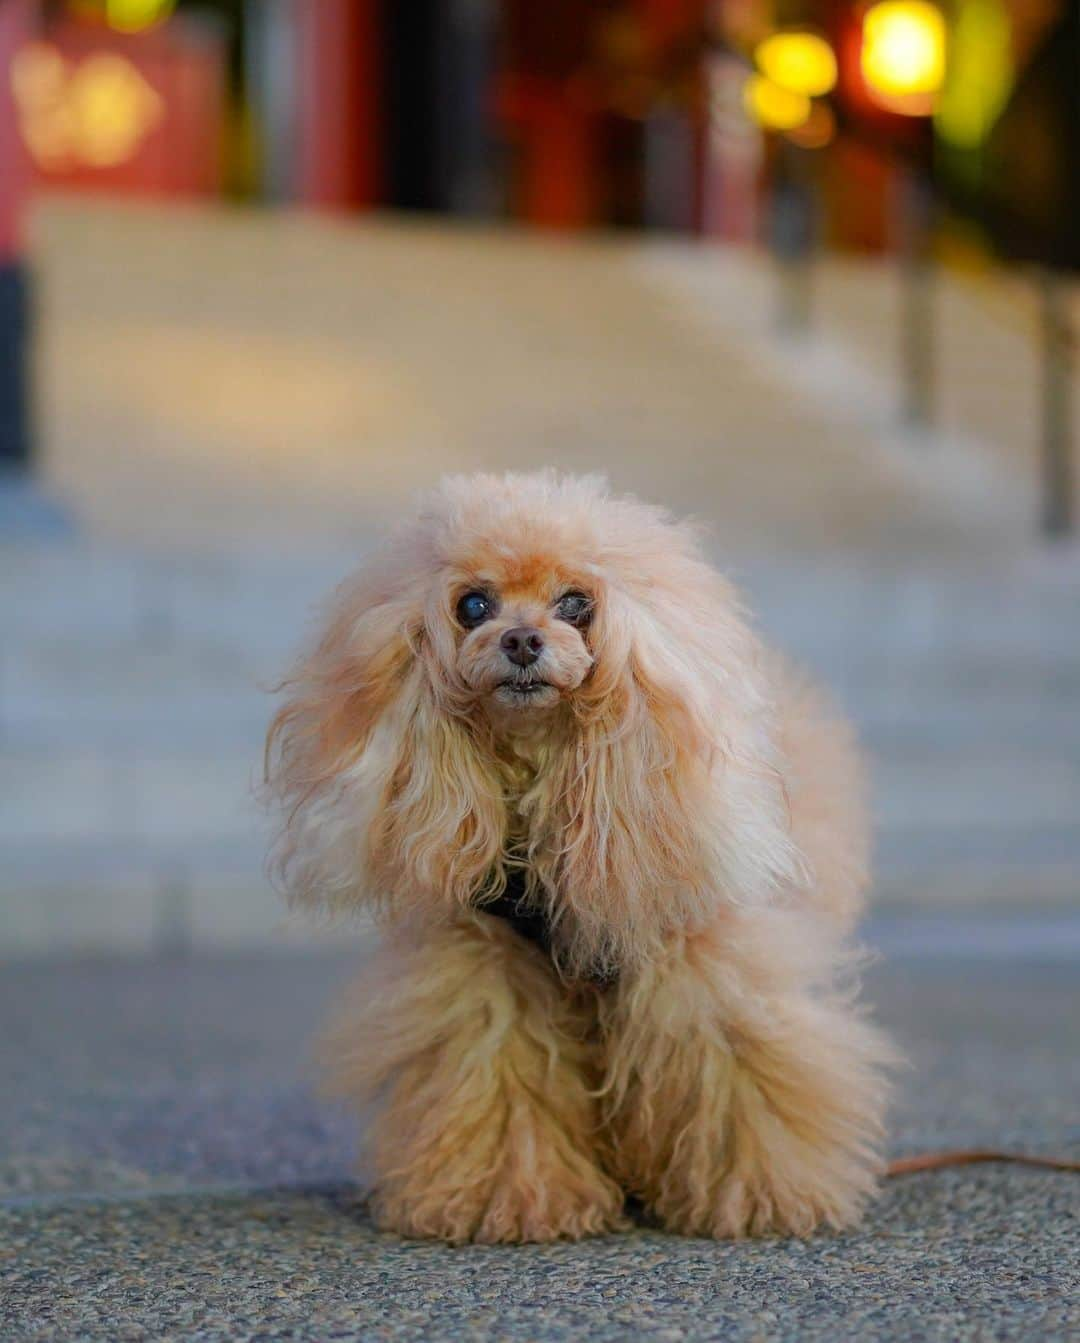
{"x": 109, "y": 666}
{"x": 77, "y": 828}
{"x": 133, "y": 707}
{"x": 902, "y": 844}
{"x": 941, "y": 793}
{"x": 105, "y": 666}
{"x": 91, "y": 898}
{"x": 87, "y": 589}
{"x": 206, "y": 787}
{"x": 188, "y": 798}
{"x": 236, "y": 726}
{"x": 1044, "y": 656}
{"x": 149, "y": 910}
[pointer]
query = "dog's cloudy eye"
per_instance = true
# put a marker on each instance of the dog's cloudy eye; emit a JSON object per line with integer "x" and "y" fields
{"x": 574, "y": 607}
{"x": 474, "y": 608}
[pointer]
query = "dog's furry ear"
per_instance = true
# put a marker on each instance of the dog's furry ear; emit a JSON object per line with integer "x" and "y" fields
{"x": 384, "y": 799}
{"x": 672, "y": 796}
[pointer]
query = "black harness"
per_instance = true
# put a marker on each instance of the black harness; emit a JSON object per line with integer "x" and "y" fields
{"x": 532, "y": 924}
{"x": 513, "y": 906}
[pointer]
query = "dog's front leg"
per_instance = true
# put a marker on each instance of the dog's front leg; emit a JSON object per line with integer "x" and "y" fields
{"x": 486, "y": 1128}
{"x": 739, "y": 1101}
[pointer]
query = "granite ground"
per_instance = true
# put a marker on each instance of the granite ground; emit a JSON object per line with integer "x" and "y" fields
{"x": 170, "y": 1174}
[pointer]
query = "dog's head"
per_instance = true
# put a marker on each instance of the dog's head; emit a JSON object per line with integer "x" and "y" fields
{"x": 534, "y": 620}
{"x": 515, "y": 587}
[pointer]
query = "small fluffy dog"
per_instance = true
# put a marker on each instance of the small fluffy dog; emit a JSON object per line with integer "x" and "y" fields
{"x": 616, "y": 848}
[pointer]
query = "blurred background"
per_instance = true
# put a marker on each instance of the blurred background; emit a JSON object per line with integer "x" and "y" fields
{"x": 804, "y": 268}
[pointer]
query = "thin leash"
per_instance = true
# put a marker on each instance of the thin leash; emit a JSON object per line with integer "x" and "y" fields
{"x": 975, "y": 1156}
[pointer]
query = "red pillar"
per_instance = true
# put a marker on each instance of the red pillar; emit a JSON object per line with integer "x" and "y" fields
{"x": 16, "y": 21}
{"x": 337, "y": 54}
{"x": 560, "y": 165}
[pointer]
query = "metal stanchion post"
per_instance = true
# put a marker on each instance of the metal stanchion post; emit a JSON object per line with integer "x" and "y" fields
{"x": 793, "y": 229}
{"x": 1057, "y": 497}
{"x": 14, "y": 369}
{"x": 917, "y": 299}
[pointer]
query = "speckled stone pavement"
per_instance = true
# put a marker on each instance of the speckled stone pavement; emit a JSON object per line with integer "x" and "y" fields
{"x": 945, "y": 1257}
{"x": 167, "y": 1174}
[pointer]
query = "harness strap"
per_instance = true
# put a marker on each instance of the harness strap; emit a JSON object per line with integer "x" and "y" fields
{"x": 513, "y": 906}
{"x": 532, "y": 923}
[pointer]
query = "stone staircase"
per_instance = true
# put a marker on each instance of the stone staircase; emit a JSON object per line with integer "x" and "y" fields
{"x": 233, "y": 404}
{"x": 133, "y": 700}
{"x": 132, "y": 707}
{"x": 966, "y": 690}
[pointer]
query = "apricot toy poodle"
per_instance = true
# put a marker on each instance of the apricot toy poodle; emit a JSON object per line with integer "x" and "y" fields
{"x": 616, "y": 849}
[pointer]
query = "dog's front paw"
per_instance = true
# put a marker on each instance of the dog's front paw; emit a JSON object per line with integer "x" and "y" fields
{"x": 520, "y": 1213}
{"x": 774, "y": 1194}
{"x": 506, "y": 1211}
{"x": 754, "y": 1208}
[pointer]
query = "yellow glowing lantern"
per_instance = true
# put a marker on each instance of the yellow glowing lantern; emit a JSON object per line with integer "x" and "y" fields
{"x": 131, "y": 16}
{"x": 903, "y": 54}
{"x": 800, "y": 62}
{"x": 126, "y": 16}
{"x": 774, "y": 107}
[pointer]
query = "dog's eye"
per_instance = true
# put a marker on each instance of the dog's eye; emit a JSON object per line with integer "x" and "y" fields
{"x": 574, "y": 607}
{"x": 474, "y": 608}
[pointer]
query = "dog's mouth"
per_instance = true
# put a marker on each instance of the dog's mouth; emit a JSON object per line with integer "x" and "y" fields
{"x": 519, "y": 691}
{"x": 525, "y": 688}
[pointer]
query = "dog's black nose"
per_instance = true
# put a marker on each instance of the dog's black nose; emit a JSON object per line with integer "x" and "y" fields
{"x": 522, "y": 645}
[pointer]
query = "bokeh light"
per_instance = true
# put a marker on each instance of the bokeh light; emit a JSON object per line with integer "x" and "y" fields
{"x": 95, "y": 112}
{"x": 817, "y": 131}
{"x": 980, "y": 74}
{"x": 125, "y": 16}
{"x": 774, "y": 107}
{"x": 903, "y": 54}
{"x": 801, "y": 62}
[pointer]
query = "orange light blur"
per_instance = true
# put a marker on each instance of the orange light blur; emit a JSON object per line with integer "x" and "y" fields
{"x": 817, "y": 130}
{"x": 95, "y": 112}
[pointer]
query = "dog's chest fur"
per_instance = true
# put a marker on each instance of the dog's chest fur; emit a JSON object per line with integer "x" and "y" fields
{"x": 523, "y": 908}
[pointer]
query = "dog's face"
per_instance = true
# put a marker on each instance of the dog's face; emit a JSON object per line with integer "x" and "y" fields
{"x": 513, "y": 585}
{"x": 522, "y": 637}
